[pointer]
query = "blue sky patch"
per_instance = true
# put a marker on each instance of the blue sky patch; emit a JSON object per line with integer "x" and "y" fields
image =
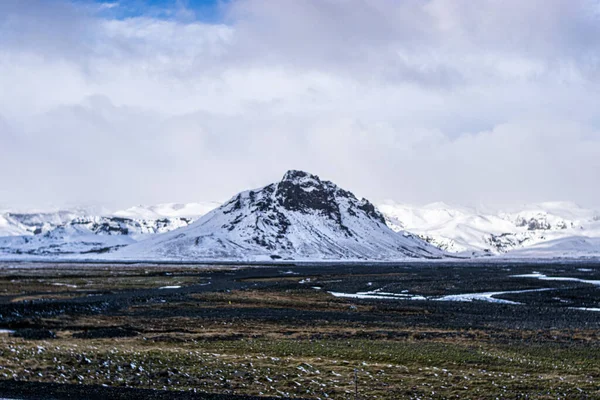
{"x": 200, "y": 10}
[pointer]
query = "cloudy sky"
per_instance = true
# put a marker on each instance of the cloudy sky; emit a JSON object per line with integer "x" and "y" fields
{"x": 130, "y": 102}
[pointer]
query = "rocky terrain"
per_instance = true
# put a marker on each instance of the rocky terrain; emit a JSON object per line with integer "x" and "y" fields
{"x": 424, "y": 331}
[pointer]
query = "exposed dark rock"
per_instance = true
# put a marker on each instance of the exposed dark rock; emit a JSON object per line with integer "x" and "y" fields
{"x": 34, "y": 334}
{"x": 100, "y": 333}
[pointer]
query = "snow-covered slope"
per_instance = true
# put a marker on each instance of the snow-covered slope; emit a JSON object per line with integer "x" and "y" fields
{"x": 567, "y": 247}
{"x": 9, "y": 228}
{"x": 168, "y": 210}
{"x": 467, "y": 231}
{"x": 34, "y": 222}
{"x": 301, "y": 217}
{"x": 78, "y": 231}
{"x": 87, "y": 235}
{"x": 62, "y": 241}
{"x": 136, "y": 221}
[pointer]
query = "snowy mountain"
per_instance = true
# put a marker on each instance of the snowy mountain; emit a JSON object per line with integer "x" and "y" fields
{"x": 567, "y": 247}
{"x": 71, "y": 239}
{"x": 34, "y": 222}
{"x": 84, "y": 234}
{"x": 470, "y": 232}
{"x": 301, "y": 217}
{"x": 9, "y": 228}
{"x": 168, "y": 210}
{"x": 79, "y": 231}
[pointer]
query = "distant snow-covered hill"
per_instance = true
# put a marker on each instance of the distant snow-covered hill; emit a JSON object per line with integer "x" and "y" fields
{"x": 69, "y": 232}
{"x": 35, "y": 222}
{"x": 469, "y": 232}
{"x": 71, "y": 239}
{"x": 301, "y": 218}
{"x": 168, "y": 210}
{"x": 565, "y": 247}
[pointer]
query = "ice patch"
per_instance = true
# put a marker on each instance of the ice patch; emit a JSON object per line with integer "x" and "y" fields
{"x": 486, "y": 296}
{"x": 585, "y": 309}
{"x": 468, "y": 297}
{"x": 64, "y": 284}
{"x": 6, "y": 331}
{"x": 170, "y": 287}
{"x": 534, "y": 274}
{"x": 376, "y": 294}
{"x": 543, "y": 277}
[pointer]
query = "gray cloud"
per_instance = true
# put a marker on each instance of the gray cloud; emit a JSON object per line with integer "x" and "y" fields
{"x": 416, "y": 101}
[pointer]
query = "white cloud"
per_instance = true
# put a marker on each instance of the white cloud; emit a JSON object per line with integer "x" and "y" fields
{"x": 416, "y": 101}
{"x": 108, "y": 6}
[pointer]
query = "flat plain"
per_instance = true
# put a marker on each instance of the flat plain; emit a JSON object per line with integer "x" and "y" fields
{"x": 342, "y": 331}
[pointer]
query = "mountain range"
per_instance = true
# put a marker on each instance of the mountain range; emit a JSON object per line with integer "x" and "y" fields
{"x": 551, "y": 229}
{"x": 302, "y": 217}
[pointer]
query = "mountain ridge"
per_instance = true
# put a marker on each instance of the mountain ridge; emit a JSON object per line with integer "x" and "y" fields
{"x": 561, "y": 229}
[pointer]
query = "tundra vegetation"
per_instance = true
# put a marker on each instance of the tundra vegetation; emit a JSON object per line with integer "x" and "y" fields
{"x": 278, "y": 331}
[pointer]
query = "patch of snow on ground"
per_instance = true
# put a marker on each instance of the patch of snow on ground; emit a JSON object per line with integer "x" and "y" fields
{"x": 374, "y": 294}
{"x": 487, "y": 296}
{"x": 468, "y": 297}
{"x": 543, "y": 277}
{"x": 64, "y": 284}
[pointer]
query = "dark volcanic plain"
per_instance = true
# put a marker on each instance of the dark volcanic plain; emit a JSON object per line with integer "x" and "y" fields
{"x": 223, "y": 332}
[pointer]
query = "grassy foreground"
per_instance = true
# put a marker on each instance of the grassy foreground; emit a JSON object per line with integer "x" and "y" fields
{"x": 273, "y": 336}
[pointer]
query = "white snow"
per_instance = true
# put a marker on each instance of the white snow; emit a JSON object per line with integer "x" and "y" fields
{"x": 543, "y": 277}
{"x": 375, "y": 295}
{"x": 18, "y": 223}
{"x": 69, "y": 239}
{"x": 467, "y": 297}
{"x": 171, "y": 210}
{"x": 70, "y": 233}
{"x": 544, "y": 230}
{"x": 170, "y": 287}
{"x": 487, "y": 296}
{"x": 567, "y": 247}
{"x": 64, "y": 284}
{"x": 10, "y": 228}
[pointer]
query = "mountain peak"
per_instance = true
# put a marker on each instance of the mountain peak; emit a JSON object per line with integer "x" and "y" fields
{"x": 305, "y": 192}
{"x": 300, "y": 216}
{"x": 299, "y": 177}
{"x": 301, "y": 191}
